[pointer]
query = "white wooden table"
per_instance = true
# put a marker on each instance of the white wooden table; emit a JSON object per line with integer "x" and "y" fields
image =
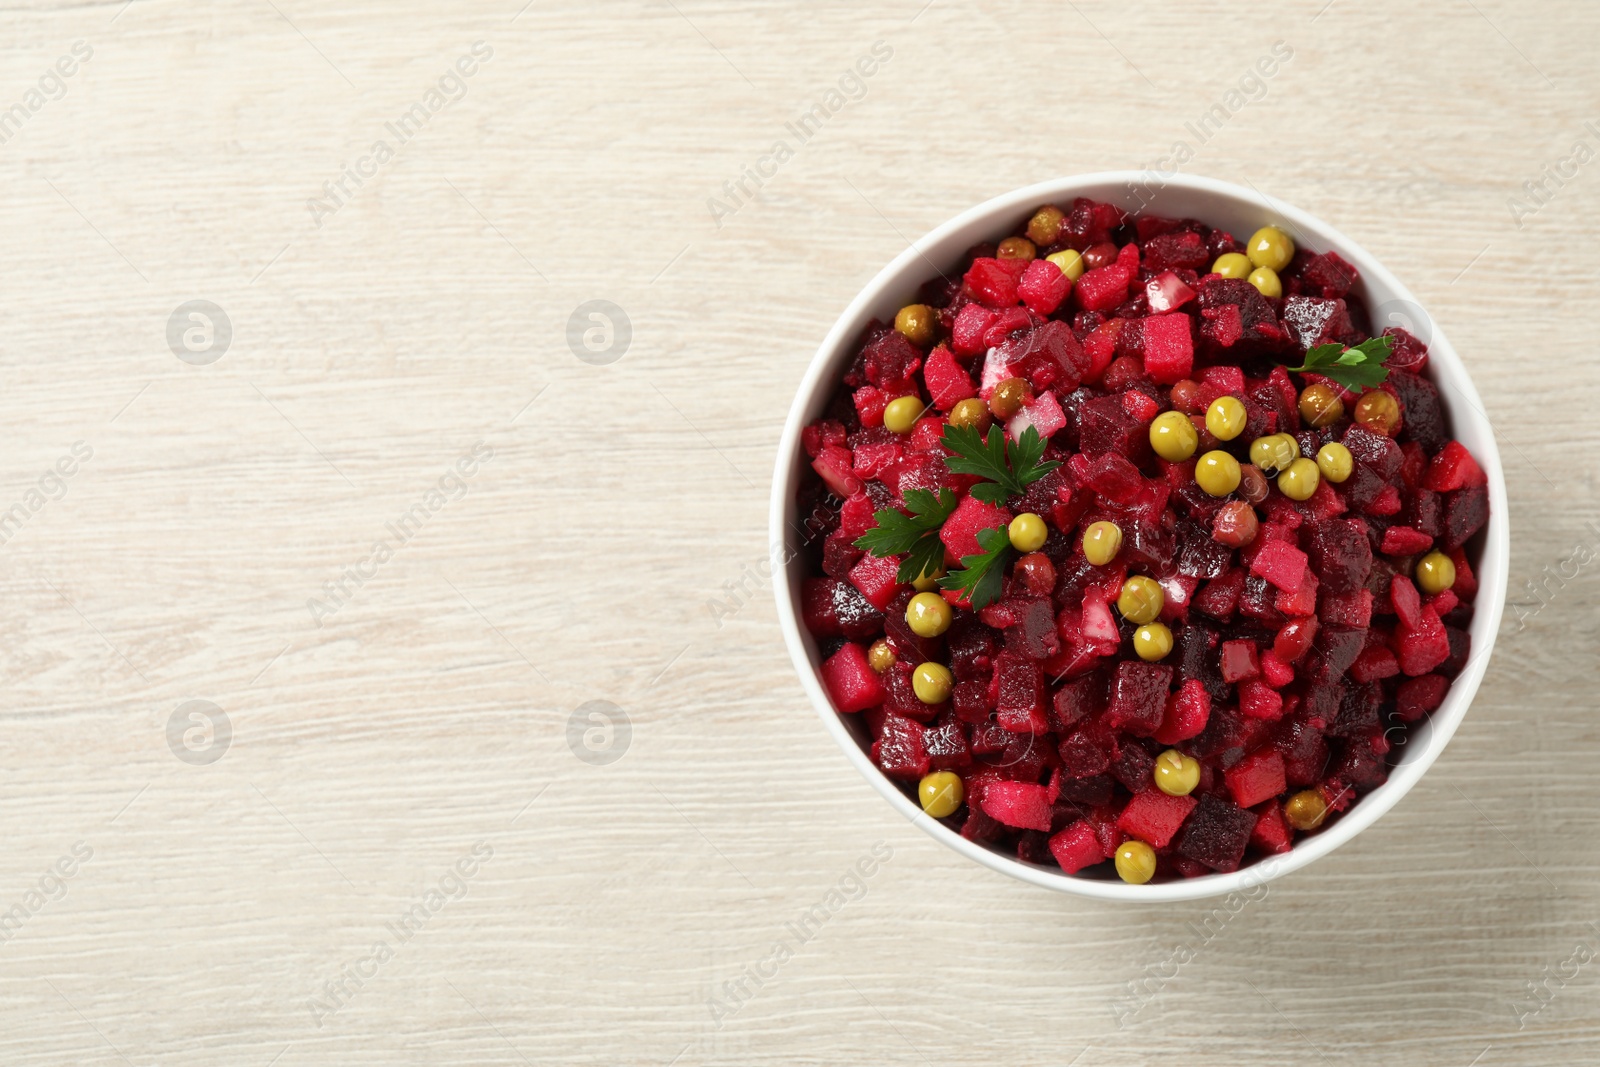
{"x": 376, "y": 845}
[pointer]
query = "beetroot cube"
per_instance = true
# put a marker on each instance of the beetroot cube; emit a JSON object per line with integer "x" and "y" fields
{"x": 1272, "y": 834}
{"x": 890, "y": 360}
{"x": 1083, "y": 755}
{"x": 1313, "y": 321}
{"x": 948, "y": 381}
{"x": 1114, "y": 478}
{"x": 1257, "y": 777}
{"x": 1104, "y": 288}
{"x": 1104, "y": 425}
{"x": 960, "y": 531}
{"x": 1258, "y": 700}
{"x": 1153, "y": 816}
{"x": 1340, "y": 555}
{"x": 967, "y": 332}
{"x": 1168, "y": 348}
{"x": 1422, "y": 647}
{"x": 1075, "y": 701}
{"x": 851, "y": 682}
{"x": 1350, "y": 610}
{"x": 833, "y": 608}
{"x": 1302, "y": 601}
{"x": 834, "y": 464}
{"x": 1374, "y": 451}
{"x": 876, "y": 578}
{"x": 1188, "y": 711}
{"x": 1405, "y": 541}
{"x": 1216, "y": 834}
{"x": 1166, "y": 292}
{"x": 1418, "y": 696}
{"x": 1021, "y": 805}
{"x": 899, "y": 749}
{"x": 1076, "y": 847}
{"x": 1239, "y": 661}
{"x": 1138, "y": 697}
{"x": 1374, "y": 663}
{"x": 1329, "y": 273}
{"x": 856, "y": 515}
{"x": 1043, "y": 287}
{"x": 994, "y": 281}
{"x": 946, "y": 746}
{"x": 1019, "y": 706}
{"x": 1184, "y": 248}
{"x": 1220, "y": 596}
{"x": 1465, "y": 512}
{"x": 1274, "y": 671}
{"x": 1133, "y": 767}
{"x": 970, "y": 701}
{"x": 1406, "y": 600}
{"x": 1280, "y": 563}
{"x": 1453, "y": 468}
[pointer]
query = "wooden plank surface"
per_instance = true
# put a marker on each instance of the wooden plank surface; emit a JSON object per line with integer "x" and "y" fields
{"x": 396, "y": 854}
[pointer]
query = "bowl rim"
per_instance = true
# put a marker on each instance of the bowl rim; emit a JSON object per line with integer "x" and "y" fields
{"x": 1448, "y": 370}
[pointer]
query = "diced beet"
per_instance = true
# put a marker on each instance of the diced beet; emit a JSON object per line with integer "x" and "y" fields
{"x": 1340, "y": 555}
{"x": 1257, "y": 700}
{"x": 994, "y": 281}
{"x": 1329, "y": 274}
{"x": 1404, "y": 541}
{"x": 1154, "y": 817}
{"x": 839, "y": 554}
{"x": 1103, "y": 288}
{"x": 946, "y": 745}
{"x": 1312, "y": 321}
{"x": 960, "y": 531}
{"x": 1184, "y": 248}
{"x": 833, "y": 608}
{"x": 1043, "y": 287}
{"x": 899, "y": 749}
{"x": 1165, "y": 292}
{"x": 1017, "y": 804}
{"x": 1020, "y": 703}
{"x": 1424, "y": 415}
{"x": 1466, "y": 510}
{"x": 1374, "y": 451}
{"x": 1239, "y": 661}
{"x": 1358, "y": 711}
{"x": 875, "y": 577}
{"x": 890, "y": 360}
{"x": 1274, "y": 671}
{"x": 1334, "y": 652}
{"x": 1453, "y": 468}
{"x": 1076, "y": 847}
{"x": 1417, "y": 696}
{"x": 1075, "y": 701}
{"x": 1271, "y": 834}
{"x": 834, "y": 463}
{"x": 967, "y": 333}
{"x": 1114, "y": 478}
{"x": 1303, "y": 601}
{"x": 1406, "y": 600}
{"x": 1168, "y": 348}
{"x": 1133, "y": 767}
{"x": 1187, "y": 713}
{"x": 948, "y": 381}
{"x": 1083, "y": 755}
{"x": 851, "y": 682}
{"x": 1256, "y": 778}
{"x": 1374, "y": 663}
{"x": 1138, "y": 697}
{"x": 1033, "y": 635}
{"x": 1280, "y": 563}
{"x": 1219, "y": 598}
{"x": 1422, "y": 647}
{"x": 1104, "y": 425}
{"x": 1216, "y": 834}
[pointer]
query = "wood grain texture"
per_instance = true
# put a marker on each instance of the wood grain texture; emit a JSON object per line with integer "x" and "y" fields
{"x": 373, "y": 751}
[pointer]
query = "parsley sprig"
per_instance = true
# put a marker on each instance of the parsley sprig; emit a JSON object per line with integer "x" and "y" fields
{"x": 916, "y": 534}
{"x": 1356, "y": 368}
{"x": 1009, "y": 466}
{"x": 982, "y": 576}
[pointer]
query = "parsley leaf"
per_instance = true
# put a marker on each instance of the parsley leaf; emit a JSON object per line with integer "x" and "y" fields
{"x": 983, "y": 575}
{"x": 916, "y": 534}
{"x": 1356, "y": 368}
{"x": 1009, "y": 466}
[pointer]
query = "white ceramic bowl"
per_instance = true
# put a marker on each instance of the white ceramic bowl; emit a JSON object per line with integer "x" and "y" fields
{"x": 1241, "y": 211}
